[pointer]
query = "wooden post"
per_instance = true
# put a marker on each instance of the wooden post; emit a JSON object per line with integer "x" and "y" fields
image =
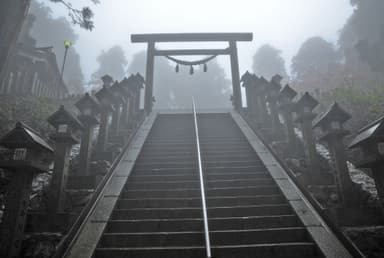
{"x": 235, "y": 76}
{"x": 149, "y": 76}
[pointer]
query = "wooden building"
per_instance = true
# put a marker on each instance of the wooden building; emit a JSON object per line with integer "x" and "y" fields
{"x": 33, "y": 72}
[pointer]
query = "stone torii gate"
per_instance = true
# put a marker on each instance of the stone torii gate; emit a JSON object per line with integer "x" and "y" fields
{"x": 152, "y": 52}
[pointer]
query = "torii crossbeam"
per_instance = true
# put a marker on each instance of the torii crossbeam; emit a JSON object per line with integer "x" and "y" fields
{"x": 152, "y": 39}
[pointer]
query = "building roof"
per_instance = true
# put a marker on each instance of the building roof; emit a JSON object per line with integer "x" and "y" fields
{"x": 371, "y": 132}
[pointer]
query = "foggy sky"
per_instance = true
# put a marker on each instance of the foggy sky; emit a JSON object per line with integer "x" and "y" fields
{"x": 283, "y": 24}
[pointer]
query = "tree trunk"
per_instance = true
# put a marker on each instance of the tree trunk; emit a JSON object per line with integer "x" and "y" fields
{"x": 12, "y": 16}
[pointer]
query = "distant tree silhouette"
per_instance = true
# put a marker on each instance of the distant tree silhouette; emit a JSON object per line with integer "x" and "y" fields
{"x": 267, "y": 62}
{"x": 315, "y": 64}
{"x": 112, "y": 62}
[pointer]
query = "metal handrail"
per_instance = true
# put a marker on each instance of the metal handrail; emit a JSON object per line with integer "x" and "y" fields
{"x": 203, "y": 201}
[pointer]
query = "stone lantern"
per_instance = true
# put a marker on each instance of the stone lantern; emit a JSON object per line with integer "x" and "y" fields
{"x": 135, "y": 84}
{"x": 273, "y": 90}
{"x": 125, "y": 118}
{"x": 331, "y": 124}
{"x": 106, "y": 100}
{"x": 68, "y": 129}
{"x": 27, "y": 154}
{"x": 246, "y": 79}
{"x": 119, "y": 101}
{"x": 285, "y": 106}
{"x": 262, "y": 85}
{"x": 89, "y": 108}
{"x": 304, "y": 116}
{"x": 368, "y": 139}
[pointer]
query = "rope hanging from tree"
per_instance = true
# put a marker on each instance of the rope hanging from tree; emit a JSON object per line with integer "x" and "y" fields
{"x": 191, "y": 63}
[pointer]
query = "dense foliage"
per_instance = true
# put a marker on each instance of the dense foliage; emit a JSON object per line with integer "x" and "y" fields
{"x": 30, "y": 110}
{"x": 365, "y": 105}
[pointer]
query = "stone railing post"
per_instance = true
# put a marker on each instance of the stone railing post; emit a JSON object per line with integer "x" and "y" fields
{"x": 368, "y": 140}
{"x": 105, "y": 97}
{"x": 285, "y": 106}
{"x": 28, "y": 154}
{"x": 331, "y": 124}
{"x": 67, "y": 130}
{"x": 89, "y": 109}
{"x": 304, "y": 116}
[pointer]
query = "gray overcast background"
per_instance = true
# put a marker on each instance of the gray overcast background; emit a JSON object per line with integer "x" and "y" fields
{"x": 285, "y": 24}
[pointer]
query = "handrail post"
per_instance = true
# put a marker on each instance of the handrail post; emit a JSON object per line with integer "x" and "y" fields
{"x": 203, "y": 201}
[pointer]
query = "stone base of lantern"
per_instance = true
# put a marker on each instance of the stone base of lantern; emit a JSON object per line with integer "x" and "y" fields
{"x": 45, "y": 222}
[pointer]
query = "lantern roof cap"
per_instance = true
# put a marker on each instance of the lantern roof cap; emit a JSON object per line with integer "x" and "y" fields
{"x": 288, "y": 92}
{"x": 87, "y": 98}
{"x": 22, "y": 136}
{"x": 334, "y": 114}
{"x": 107, "y": 79}
{"x": 63, "y": 116}
{"x": 245, "y": 78}
{"x": 306, "y": 101}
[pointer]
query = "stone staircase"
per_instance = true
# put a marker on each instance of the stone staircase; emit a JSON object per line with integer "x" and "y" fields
{"x": 159, "y": 211}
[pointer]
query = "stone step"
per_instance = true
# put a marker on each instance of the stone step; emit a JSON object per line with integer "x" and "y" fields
{"x": 190, "y": 212}
{"x": 280, "y": 250}
{"x": 195, "y": 192}
{"x": 196, "y": 238}
{"x": 155, "y": 177}
{"x": 196, "y": 224}
{"x": 196, "y": 202}
{"x": 196, "y": 183}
